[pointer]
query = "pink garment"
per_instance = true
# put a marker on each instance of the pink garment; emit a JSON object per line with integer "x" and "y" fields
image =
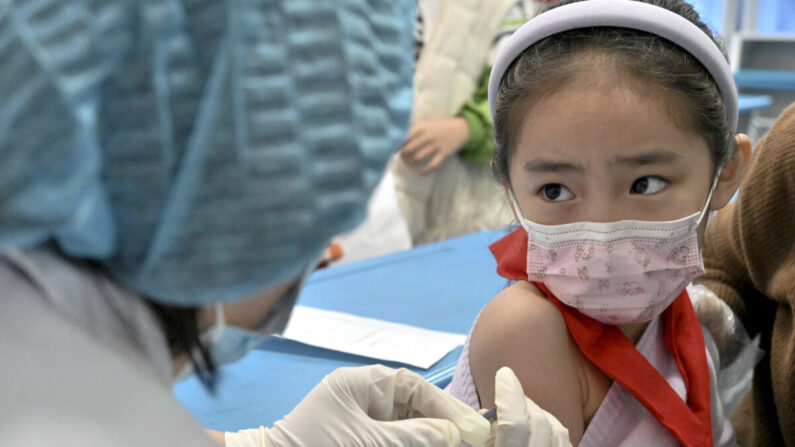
{"x": 621, "y": 420}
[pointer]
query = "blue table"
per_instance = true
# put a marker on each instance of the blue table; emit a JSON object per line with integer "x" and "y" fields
{"x": 765, "y": 79}
{"x": 441, "y": 286}
{"x": 750, "y": 108}
{"x": 753, "y": 103}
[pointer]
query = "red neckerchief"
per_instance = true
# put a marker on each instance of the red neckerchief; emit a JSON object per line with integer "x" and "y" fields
{"x": 615, "y": 355}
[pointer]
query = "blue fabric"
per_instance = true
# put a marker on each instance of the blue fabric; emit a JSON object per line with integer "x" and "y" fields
{"x": 202, "y": 150}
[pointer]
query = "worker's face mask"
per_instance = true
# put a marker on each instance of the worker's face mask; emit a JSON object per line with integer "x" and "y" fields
{"x": 229, "y": 343}
{"x": 235, "y": 342}
{"x": 617, "y": 272}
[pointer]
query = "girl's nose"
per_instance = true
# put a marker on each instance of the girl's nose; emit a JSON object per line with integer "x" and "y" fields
{"x": 604, "y": 208}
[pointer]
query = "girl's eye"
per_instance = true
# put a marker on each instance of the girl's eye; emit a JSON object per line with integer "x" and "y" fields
{"x": 555, "y": 192}
{"x": 648, "y": 185}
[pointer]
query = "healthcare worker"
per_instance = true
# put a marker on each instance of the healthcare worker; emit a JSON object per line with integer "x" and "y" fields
{"x": 162, "y": 157}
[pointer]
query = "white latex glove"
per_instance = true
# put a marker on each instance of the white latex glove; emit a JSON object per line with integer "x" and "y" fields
{"x": 715, "y": 315}
{"x": 372, "y": 406}
{"x": 520, "y": 422}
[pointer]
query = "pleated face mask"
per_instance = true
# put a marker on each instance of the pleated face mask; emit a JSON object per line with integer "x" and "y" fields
{"x": 620, "y": 272}
{"x": 201, "y": 150}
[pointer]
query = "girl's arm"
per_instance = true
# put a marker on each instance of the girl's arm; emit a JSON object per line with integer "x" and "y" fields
{"x": 521, "y": 329}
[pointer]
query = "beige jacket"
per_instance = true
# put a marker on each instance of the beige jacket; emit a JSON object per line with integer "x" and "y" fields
{"x": 458, "y": 197}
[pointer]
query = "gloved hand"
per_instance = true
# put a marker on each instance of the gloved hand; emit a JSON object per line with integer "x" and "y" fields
{"x": 714, "y": 315}
{"x": 520, "y": 422}
{"x": 371, "y": 406}
{"x": 738, "y": 354}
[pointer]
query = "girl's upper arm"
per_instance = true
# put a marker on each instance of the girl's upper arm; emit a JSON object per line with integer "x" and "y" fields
{"x": 521, "y": 329}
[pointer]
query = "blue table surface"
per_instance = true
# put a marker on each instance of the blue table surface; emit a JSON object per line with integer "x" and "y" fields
{"x": 440, "y": 286}
{"x": 765, "y": 79}
{"x": 749, "y": 103}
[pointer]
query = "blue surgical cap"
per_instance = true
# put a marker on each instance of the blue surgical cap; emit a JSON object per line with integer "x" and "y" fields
{"x": 201, "y": 150}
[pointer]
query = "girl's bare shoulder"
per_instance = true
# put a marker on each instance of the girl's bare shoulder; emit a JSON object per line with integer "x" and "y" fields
{"x": 521, "y": 329}
{"x": 523, "y": 303}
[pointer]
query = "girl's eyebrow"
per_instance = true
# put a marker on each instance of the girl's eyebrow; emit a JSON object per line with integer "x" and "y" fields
{"x": 649, "y": 158}
{"x": 542, "y": 165}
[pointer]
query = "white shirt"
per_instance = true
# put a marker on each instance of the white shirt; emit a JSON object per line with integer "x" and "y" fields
{"x": 83, "y": 361}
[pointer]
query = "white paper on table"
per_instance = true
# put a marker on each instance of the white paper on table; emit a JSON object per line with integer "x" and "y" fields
{"x": 370, "y": 337}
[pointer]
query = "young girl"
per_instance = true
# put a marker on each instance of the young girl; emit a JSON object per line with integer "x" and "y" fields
{"x": 614, "y": 125}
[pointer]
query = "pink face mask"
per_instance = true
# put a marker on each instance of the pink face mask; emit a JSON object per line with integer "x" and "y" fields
{"x": 617, "y": 272}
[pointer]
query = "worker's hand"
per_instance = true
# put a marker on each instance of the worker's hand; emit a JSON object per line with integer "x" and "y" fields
{"x": 520, "y": 422}
{"x": 372, "y": 406}
{"x": 433, "y": 141}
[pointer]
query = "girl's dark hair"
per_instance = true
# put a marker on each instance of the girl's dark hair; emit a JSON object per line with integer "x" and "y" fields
{"x": 180, "y": 326}
{"x": 552, "y": 62}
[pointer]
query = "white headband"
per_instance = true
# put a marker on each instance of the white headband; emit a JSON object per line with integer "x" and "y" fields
{"x": 622, "y": 14}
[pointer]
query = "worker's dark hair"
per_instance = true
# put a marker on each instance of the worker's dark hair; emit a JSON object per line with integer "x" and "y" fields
{"x": 551, "y": 63}
{"x": 180, "y": 326}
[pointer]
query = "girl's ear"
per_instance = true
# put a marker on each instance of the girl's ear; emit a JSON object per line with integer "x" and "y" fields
{"x": 733, "y": 173}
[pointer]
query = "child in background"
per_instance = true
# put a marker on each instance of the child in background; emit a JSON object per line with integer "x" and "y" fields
{"x": 614, "y": 127}
{"x": 442, "y": 179}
